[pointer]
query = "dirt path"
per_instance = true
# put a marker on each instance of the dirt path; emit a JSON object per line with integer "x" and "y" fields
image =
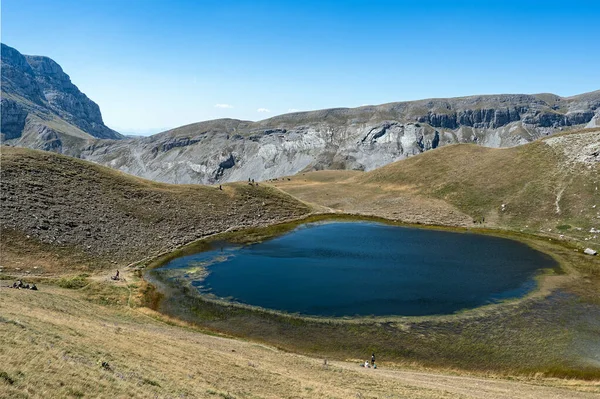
{"x": 472, "y": 387}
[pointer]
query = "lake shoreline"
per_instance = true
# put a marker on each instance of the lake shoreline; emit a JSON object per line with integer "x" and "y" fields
{"x": 413, "y": 247}
{"x": 540, "y": 339}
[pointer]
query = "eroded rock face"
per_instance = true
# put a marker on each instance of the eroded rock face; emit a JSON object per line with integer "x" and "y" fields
{"x": 362, "y": 138}
{"x": 38, "y": 86}
{"x": 13, "y": 119}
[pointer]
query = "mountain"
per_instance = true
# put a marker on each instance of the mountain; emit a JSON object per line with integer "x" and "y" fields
{"x": 42, "y": 109}
{"x": 361, "y": 138}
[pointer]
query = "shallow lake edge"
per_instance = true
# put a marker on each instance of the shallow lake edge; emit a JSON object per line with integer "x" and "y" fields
{"x": 546, "y": 280}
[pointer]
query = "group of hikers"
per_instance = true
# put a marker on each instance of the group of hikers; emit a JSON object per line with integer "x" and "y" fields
{"x": 369, "y": 365}
{"x": 20, "y": 286}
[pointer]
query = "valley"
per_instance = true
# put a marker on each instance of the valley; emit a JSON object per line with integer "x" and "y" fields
{"x": 539, "y": 340}
{"x": 82, "y": 204}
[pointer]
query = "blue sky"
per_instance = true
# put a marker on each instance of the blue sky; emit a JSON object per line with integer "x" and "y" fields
{"x": 153, "y": 64}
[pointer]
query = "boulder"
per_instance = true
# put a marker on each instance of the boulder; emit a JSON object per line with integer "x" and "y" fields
{"x": 590, "y": 251}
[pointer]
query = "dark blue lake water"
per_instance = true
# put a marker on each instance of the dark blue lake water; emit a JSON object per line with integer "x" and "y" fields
{"x": 360, "y": 268}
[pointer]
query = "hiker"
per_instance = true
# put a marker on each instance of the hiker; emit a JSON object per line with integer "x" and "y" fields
{"x": 33, "y": 287}
{"x": 115, "y": 277}
{"x": 19, "y": 284}
{"x": 373, "y": 359}
{"x": 220, "y": 187}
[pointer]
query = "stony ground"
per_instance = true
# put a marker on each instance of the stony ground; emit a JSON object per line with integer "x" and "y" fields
{"x": 61, "y": 207}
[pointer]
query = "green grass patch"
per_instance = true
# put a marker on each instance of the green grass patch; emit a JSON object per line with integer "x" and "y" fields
{"x": 6, "y": 378}
{"x": 106, "y": 294}
{"x": 73, "y": 283}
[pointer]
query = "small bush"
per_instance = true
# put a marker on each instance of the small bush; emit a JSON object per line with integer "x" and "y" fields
{"x": 6, "y": 378}
{"x": 72, "y": 283}
{"x": 563, "y": 226}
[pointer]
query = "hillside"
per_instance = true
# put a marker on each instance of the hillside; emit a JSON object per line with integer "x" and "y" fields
{"x": 55, "y": 340}
{"x": 61, "y": 216}
{"x": 42, "y": 109}
{"x": 550, "y": 185}
{"x": 58, "y": 209}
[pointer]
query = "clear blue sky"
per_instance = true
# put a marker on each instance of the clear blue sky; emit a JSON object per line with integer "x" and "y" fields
{"x": 154, "y": 64}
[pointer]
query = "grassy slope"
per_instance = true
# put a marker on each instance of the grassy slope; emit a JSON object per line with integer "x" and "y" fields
{"x": 462, "y": 183}
{"x": 55, "y": 340}
{"x": 61, "y": 207}
{"x": 478, "y": 180}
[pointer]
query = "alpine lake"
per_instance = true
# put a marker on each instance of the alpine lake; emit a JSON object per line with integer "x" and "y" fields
{"x": 347, "y": 269}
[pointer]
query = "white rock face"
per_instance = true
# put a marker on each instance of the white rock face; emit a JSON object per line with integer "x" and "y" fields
{"x": 236, "y": 153}
{"x": 595, "y": 121}
{"x": 362, "y": 138}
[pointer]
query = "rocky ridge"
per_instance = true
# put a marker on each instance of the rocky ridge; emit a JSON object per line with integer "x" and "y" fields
{"x": 363, "y": 138}
{"x": 64, "y": 202}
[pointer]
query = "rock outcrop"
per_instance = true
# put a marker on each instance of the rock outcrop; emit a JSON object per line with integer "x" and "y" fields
{"x": 36, "y": 91}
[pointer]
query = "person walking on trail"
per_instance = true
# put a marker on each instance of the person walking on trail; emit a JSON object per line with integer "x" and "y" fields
{"x": 373, "y": 359}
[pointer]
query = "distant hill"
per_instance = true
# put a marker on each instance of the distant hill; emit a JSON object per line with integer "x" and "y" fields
{"x": 42, "y": 109}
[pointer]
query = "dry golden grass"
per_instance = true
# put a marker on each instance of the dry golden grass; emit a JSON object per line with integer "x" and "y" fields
{"x": 54, "y": 342}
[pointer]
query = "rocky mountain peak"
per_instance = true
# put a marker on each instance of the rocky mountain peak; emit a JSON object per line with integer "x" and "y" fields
{"x": 38, "y": 96}
{"x": 47, "y": 68}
